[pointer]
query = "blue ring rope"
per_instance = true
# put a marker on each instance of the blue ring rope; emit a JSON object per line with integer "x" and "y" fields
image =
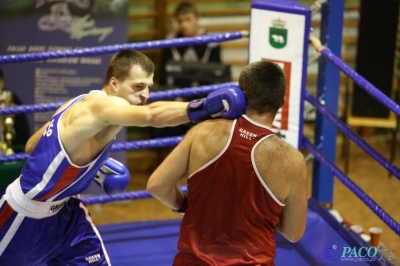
{"x": 154, "y": 96}
{"x": 353, "y": 136}
{"x": 361, "y": 81}
{"x": 108, "y": 49}
{"x": 121, "y": 146}
{"x": 139, "y": 194}
{"x": 384, "y": 216}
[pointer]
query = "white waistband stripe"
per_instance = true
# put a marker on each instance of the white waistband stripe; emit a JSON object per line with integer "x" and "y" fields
{"x": 28, "y": 207}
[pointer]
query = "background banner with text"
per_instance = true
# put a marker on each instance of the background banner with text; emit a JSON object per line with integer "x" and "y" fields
{"x": 47, "y": 25}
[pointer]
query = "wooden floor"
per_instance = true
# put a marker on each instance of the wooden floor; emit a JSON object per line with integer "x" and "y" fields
{"x": 370, "y": 176}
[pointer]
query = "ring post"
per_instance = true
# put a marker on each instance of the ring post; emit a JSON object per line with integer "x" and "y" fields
{"x": 328, "y": 93}
{"x": 279, "y": 32}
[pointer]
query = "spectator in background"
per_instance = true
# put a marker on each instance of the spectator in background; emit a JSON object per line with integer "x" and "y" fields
{"x": 187, "y": 18}
{"x": 187, "y": 21}
{"x": 21, "y": 130}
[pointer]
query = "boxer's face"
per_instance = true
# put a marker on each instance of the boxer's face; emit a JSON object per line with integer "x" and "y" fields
{"x": 135, "y": 88}
{"x": 187, "y": 24}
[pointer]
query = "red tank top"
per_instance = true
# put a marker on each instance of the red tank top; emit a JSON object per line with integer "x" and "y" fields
{"x": 232, "y": 215}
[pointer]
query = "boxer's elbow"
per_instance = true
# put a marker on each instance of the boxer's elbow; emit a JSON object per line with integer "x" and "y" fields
{"x": 293, "y": 235}
{"x": 292, "y": 238}
{"x": 158, "y": 189}
{"x": 153, "y": 189}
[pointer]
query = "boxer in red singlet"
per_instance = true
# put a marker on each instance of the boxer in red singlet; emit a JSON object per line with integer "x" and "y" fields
{"x": 244, "y": 182}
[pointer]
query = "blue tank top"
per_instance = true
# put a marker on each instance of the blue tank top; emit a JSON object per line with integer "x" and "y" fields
{"x": 49, "y": 174}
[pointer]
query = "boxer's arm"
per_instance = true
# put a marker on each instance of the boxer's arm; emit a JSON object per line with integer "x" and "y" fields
{"x": 117, "y": 111}
{"x": 294, "y": 214}
{"x": 162, "y": 183}
{"x": 34, "y": 139}
{"x": 226, "y": 102}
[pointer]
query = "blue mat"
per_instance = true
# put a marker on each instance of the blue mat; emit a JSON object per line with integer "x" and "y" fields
{"x": 155, "y": 243}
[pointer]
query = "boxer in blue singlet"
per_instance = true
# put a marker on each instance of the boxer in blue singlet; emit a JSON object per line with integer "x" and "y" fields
{"x": 42, "y": 220}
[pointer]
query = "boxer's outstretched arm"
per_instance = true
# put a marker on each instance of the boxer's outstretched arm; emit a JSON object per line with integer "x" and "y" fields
{"x": 117, "y": 111}
{"x": 229, "y": 103}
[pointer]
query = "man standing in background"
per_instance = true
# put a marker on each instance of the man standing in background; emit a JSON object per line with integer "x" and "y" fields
{"x": 187, "y": 18}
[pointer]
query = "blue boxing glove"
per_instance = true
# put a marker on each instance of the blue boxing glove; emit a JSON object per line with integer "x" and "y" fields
{"x": 113, "y": 177}
{"x": 228, "y": 103}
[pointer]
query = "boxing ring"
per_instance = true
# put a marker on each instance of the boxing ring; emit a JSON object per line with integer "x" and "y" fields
{"x": 155, "y": 242}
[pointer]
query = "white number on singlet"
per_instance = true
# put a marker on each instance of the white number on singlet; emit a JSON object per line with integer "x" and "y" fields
{"x": 49, "y": 129}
